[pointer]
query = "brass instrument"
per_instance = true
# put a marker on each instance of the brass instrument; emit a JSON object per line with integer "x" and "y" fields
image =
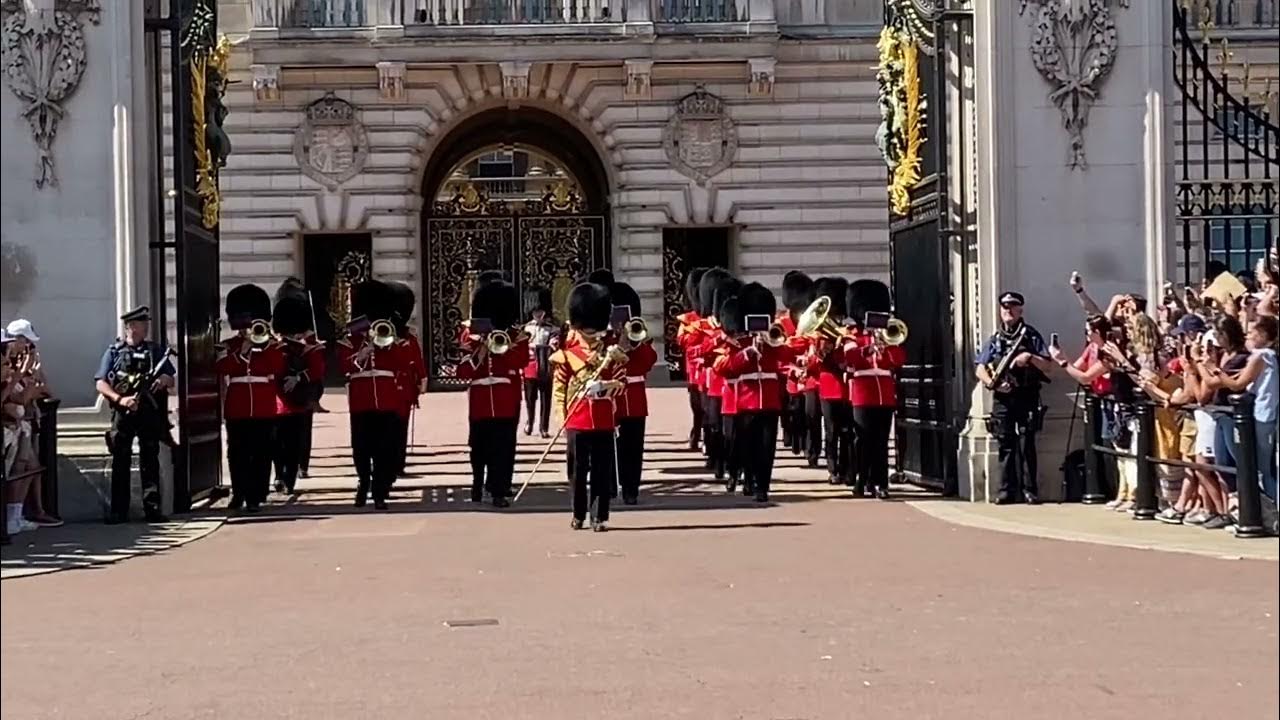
{"x": 776, "y": 335}
{"x": 260, "y": 332}
{"x": 894, "y": 334}
{"x": 498, "y": 342}
{"x": 383, "y": 333}
{"x": 635, "y": 330}
{"x": 816, "y": 321}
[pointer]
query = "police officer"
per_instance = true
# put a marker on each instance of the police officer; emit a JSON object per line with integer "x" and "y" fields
{"x": 1012, "y": 365}
{"x": 135, "y": 377}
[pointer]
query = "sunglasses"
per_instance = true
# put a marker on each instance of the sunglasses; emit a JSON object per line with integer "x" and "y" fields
{"x": 1009, "y": 305}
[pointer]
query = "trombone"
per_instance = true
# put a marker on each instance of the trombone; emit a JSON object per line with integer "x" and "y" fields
{"x": 893, "y": 333}
{"x": 498, "y": 342}
{"x": 775, "y": 336}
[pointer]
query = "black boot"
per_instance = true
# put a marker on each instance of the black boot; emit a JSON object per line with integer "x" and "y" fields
{"x": 477, "y": 493}
{"x": 501, "y": 502}
{"x": 362, "y": 495}
{"x": 528, "y": 428}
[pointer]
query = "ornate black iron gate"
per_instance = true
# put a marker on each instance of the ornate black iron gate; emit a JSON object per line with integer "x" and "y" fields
{"x": 683, "y": 250}
{"x": 1228, "y": 155}
{"x": 549, "y": 243}
{"x": 912, "y": 139}
{"x": 198, "y": 64}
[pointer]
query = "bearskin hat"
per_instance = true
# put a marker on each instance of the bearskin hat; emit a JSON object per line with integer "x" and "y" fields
{"x": 601, "y": 276}
{"x": 623, "y": 294}
{"x": 732, "y": 319}
{"x": 756, "y": 299}
{"x": 864, "y": 296}
{"x": 292, "y": 287}
{"x": 404, "y": 299}
{"x": 490, "y": 276}
{"x": 373, "y": 300}
{"x": 834, "y": 288}
{"x": 590, "y": 306}
{"x": 537, "y": 298}
{"x": 691, "y": 287}
{"x": 246, "y": 303}
{"x": 726, "y": 290}
{"x": 292, "y": 315}
{"x": 498, "y": 302}
{"x": 797, "y": 291}
{"x": 708, "y": 284}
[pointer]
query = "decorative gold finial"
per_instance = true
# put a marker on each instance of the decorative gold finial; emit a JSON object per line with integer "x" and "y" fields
{"x": 1206, "y": 24}
{"x": 1224, "y": 56}
{"x": 1245, "y": 77}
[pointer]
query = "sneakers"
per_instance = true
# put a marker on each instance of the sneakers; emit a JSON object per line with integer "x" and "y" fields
{"x": 1217, "y": 522}
{"x": 13, "y": 527}
{"x": 1196, "y": 517}
{"x": 1125, "y": 506}
{"x": 1170, "y": 517}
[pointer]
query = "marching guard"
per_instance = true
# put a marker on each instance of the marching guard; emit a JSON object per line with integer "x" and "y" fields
{"x": 413, "y": 380}
{"x": 715, "y": 282}
{"x": 374, "y": 358}
{"x": 824, "y": 361}
{"x": 804, "y": 410}
{"x": 302, "y": 383}
{"x": 633, "y": 402}
{"x": 493, "y": 366}
{"x": 870, "y": 364}
{"x": 544, "y": 338}
{"x": 723, "y": 391}
{"x": 250, "y": 364}
{"x": 586, "y": 374}
{"x": 689, "y": 338}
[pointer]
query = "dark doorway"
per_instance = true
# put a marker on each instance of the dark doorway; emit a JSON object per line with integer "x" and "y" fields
{"x": 683, "y": 249}
{"x": 331, "y": 264}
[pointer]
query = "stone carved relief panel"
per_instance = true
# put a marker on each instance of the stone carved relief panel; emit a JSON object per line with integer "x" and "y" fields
{"x": 44, "y": 59}
{"x": 701, "y": 139}
{"x": 1073, "y": 46}
{"x": 332, "y": 144}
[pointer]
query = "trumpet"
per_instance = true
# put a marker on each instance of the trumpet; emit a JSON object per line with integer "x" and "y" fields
{"x": 895, "y": 333}
{"x": 383, "y": 333}
{"x": 497, "y": 342}
{"x": 259, "y": 332}
{"x": 635, "y": 330}
{"x": 775, "y": 336}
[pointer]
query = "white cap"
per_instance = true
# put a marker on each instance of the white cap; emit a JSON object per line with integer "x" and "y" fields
{"x": 22, "y": 328}
{"x": 1209, "y": 339}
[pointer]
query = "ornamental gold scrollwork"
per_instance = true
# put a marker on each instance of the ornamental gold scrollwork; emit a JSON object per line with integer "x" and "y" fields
{"x": 209, "y": 70}
{"x": 901, "y": 134}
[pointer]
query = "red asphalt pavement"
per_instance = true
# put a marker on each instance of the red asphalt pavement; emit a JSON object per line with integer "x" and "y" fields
{"x": 695, "y": 605}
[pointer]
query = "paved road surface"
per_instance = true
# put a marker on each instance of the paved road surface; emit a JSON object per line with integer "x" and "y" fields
{"x": 696, "y": 605}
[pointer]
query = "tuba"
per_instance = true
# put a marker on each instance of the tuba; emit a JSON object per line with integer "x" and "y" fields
{"x": 259, "y": 332}
{"x": 816, "y": 321}
{"x": 383, "y": 333}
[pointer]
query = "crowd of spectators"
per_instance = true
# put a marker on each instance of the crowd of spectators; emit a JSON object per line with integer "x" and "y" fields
{"x": 22, "y": 388}
{"x": 1189, "y": 355}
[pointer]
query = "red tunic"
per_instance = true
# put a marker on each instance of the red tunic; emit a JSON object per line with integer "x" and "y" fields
{"x": 870, "y": 374}
{"x": 830, "y": 375}
{"x": 411, "y": 378}
{"x": 729, "y": 393}
{"x": 688, "y": 338}
{"x": 712, "y": 382}
{"x": 755, "y": 375}
{"x": 251, "y": 378}
{"x": 372, "y": 383}
{"x": 495, "y": 383}
{"x": 633, "y": 402}
{"x": 312, "y": 353}
{"x": 592, "y": 413}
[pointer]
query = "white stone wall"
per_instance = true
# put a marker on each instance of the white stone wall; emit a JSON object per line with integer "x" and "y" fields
{"x": 806, "y": 189}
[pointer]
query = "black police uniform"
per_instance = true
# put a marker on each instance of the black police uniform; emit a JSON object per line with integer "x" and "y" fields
{"x": 1017, "y": 413}
{"x": 132, "y": 369}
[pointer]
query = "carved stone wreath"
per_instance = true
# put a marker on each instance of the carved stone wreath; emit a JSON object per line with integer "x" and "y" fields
{"x": 44, "y": 59}
{"x": 700, "y": 140}
{"x": 331, "y": 145}
{"x": 1073, "y": 46}
{"x": 901, "y": 134}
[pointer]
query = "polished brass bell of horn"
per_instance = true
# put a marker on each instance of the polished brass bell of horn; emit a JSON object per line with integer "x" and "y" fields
{"x": 497, "y": 342}
{"x": 259, "y": 332}
{"x": 636, "y": 330}
{"x": 777, "y": 335}
{"x": 383, "y": 333}
{"x": 895, "y": 333}
{"x": 816, "y": 321}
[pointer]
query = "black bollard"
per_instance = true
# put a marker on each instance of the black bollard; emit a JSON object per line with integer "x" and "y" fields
{"x": 1093, "y": 460}
{"x": 1146, "y": 502}
{"x": 48, "y": 454}
{"x": 1248, "y": 495}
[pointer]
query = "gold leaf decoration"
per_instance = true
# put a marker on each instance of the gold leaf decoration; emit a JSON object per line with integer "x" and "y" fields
{"x": 901, "y": 134}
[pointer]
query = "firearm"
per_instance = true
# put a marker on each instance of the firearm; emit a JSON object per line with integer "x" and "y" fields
{"x": 153, "y": 416}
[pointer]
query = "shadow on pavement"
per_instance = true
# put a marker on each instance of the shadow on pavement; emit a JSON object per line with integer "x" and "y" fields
{"x": 82, "y": 545}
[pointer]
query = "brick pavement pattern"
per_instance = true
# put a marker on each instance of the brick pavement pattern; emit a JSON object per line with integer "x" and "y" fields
{"x": 696, "y": 605}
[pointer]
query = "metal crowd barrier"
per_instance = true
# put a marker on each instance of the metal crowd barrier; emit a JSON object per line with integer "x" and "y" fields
{"x": 1249, "y": 521}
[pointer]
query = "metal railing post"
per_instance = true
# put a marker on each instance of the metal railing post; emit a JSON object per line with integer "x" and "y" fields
{"x": 1146, "y": 503}
{"x": 48, "y": 454}
{"x": 1248, "y": 495}
{"x": 1093, "y": 460}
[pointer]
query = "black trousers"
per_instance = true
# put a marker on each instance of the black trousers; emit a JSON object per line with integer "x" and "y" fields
{"x": 290, "y": 431}
{"x": 696, "y": 407}
{"x": 537, "y": 392}
{"x": 304, "y": 441}
{"x": 713, "y": 434}
{"x": 402, "y": 443}
{"x": 1015, "y": 420}
{"x": 789, "y": 438}
{"x": 125, "y": 427}
{"x": 374, "y": 437}
{"x": 732, "y": 446}
{"x": 837, "y": 426}
{"x": 594, "y": 472}
{"x": 250, "y": 451}
{"x": 871, "y": 452}
{"x": 811, "y": 422}
{"x": 493, "y": 455}
{"x": 758, "y": 440}
{"x": 630, "y": 455}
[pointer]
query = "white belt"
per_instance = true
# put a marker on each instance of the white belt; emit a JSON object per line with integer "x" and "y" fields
{"x": 759, "y": 376}
{"x": 249, "y": 379}
{"x": 372, "y": 374}
{"x": 873, "y": 372}
{"x": 491, "y": 381}
{"x": 633, "y": 379}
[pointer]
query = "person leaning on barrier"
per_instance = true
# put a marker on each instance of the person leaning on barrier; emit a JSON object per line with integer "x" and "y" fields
{"x": 1012, "y": 364}
{"x": 1257, "y": 376}
{"x": 135, "y": 377}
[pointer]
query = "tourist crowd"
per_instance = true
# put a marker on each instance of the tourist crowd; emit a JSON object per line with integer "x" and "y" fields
{"x": 22, "y": 388}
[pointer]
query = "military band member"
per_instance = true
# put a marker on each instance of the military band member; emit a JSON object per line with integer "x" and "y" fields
{"x": 870, "y": 367}
{"x": 754, "y": 370}
{"x": 689, "y": 338}
{"x": 715, "y": 282}
{"x": 722, "y": 390}
{"x": 804, "y": 412}
{"x": 413, "y": 381}
{"x": 1017, "y": 412}
{"x": 493, "y": 370}
{"x": 543, "y": 331}
{"x": 135, "y": 377}
{"x": 586, "y": 374}
{"x": 837, "y": 423}
{"x": 633, "y": 402}
{"x": 373, "y": 359}
{"x": 251, "y": 365}
{"x": 302, "y": 383}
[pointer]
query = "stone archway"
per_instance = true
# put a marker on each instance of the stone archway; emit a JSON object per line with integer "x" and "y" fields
{"x": 522, "y": 191}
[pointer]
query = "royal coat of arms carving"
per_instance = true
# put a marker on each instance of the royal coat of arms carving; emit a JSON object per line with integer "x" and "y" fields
{"x": 332, "y": 144}
{"x": 700, "y": 139}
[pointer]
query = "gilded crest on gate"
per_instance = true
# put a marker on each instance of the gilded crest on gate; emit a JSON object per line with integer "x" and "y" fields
{"x": 700, "y": 139}
{"x": 332, "y": 144}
